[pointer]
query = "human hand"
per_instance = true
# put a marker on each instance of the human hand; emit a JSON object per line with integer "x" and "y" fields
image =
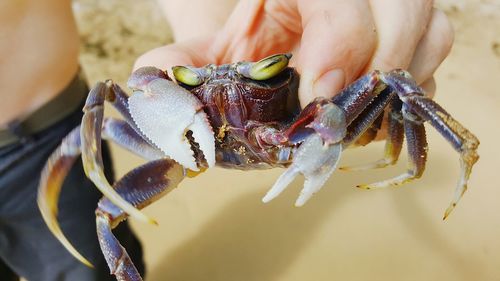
{"x": 334, "y": 41}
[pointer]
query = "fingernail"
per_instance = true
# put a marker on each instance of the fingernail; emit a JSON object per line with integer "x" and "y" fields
{"x": 329, "y": 84}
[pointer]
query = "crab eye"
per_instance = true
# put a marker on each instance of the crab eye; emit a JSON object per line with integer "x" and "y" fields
{"x": 187, "y": 75}
{"x": 265, "y": 68}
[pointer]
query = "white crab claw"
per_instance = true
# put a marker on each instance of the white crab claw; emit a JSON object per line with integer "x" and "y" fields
{"x": 315, "y": 161}
{"x": 164, "y": 112}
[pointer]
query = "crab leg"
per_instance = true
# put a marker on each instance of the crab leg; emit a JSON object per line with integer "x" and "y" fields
{"x": 140, "y": 187}
{"x": 61, "y": 161}
{"x": 393, "y": 144}
{"x": 365, "y": 120}
{"x": 121, "y": 133}
{"x": 417, "y": 151}
{"x": 463, "y": 141}
{"x": 371, "y": 133}
{"x": 91, "y": 147}
{"x": 359, "y": 95}
{"x": 53, "y": 174}
{"x": 460, "y": 138}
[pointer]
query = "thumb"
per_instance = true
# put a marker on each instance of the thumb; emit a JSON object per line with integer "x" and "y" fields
{"x": 191, "y": 52}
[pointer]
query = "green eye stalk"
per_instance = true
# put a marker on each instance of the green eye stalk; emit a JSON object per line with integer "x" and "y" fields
{"x": 265, "y": 68}
{"x": 187, "y": 75}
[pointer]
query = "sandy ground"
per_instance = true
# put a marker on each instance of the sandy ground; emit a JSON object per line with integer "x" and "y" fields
{"x": 214, "y": 226}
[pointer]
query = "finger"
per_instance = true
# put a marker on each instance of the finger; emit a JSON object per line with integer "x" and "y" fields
{"x": 400, "y": 25}
{"x": 433, "y": 48}
{"x": 332, "y": 53}
{"x": 195, "y": 18}
{"x": 257, "y": 29}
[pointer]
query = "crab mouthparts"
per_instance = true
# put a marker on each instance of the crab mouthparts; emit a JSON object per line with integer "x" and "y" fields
{"x": 172, "y": 119}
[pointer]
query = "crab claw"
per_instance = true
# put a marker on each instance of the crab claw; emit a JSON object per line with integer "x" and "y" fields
{"x": 319, "y": 153}
{"x": 165, "y": 112}
{"x": 315, "y": 161}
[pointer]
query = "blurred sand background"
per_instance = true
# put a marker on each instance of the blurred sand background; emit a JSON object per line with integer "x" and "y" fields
{"x": 214, "y": 227}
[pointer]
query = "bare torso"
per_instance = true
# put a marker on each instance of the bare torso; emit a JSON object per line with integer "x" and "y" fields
{"x": 38, "y": 54}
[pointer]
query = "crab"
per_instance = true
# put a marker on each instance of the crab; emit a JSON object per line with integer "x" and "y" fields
{"x": 243, "y": 115}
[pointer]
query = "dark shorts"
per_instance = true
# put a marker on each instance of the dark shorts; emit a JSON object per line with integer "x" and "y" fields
{"x": 27, "y": 248}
